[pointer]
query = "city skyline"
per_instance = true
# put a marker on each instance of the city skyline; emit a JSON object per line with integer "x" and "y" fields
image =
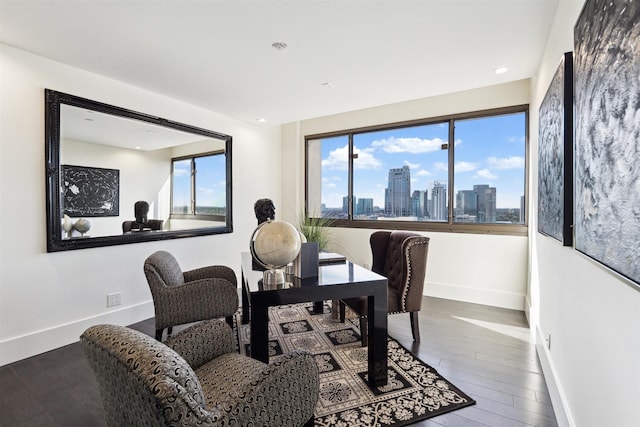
{"x": 477, "y": 205}
{"x": 488, "y": 151}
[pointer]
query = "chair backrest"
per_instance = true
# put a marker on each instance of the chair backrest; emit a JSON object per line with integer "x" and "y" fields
{"x": 401, "y": 256}
{"x": 162, "y": 269}
{"x": 152, "y": 224}
{"x": 142, "y": 381}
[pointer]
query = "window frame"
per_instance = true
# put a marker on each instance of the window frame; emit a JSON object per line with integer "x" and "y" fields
{"x": 450, "y": 226}
{"x": 193, "y": 202}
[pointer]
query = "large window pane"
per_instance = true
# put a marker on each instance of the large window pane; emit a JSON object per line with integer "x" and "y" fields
{"x": 210, "y": 185}
{"x": 401, "y": 174}
{"x": 462, "y": 173}
{"x": 181, "y": 187}
{"x": 328, "y": 177}
{"x": 489, "y": 169}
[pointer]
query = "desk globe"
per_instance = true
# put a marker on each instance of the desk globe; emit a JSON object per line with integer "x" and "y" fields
{"x": 274, "y": 244}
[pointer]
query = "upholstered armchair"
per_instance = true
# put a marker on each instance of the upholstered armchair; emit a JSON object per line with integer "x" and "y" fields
{"x": 197, "y": 378}
{"x": 184, "y": 297}
{"x": 152, "y": 224}
{"x": 400, "y": 256}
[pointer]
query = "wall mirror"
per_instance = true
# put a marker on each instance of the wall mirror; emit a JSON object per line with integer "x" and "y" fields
{"x": 116, "y": 176}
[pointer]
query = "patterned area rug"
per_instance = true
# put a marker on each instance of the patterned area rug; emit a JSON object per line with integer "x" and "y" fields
{"x": 415, "y": 390}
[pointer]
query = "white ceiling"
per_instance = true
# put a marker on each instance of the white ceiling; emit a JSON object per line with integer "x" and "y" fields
{"x": 217, "y": 54}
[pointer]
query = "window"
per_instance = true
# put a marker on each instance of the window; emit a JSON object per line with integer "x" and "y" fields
{"x": 461, "y": 173}
{"x": 198, "y": 187}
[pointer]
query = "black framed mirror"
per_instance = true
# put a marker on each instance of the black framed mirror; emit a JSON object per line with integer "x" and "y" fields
{"x": 116, "y": 176}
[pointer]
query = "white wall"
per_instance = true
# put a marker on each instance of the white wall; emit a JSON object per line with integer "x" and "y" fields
{"x": 495, "y": 266}
{"x": 593, "y": 315}
{"x": 48, "y": 299}
{"x": 152, "y": 186}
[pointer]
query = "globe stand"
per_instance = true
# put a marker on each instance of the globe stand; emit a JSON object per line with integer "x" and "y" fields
{"x": 273, "y": 277}
{"x": 274, "y": 245}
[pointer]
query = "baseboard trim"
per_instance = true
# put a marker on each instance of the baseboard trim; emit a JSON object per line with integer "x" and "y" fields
{"x": 489, "y": 297}
{"x": 22, "y": 347}
{"x": 558, "y": 397}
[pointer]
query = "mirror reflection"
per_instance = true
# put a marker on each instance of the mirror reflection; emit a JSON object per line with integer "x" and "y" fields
{"x": 118, "y": 176}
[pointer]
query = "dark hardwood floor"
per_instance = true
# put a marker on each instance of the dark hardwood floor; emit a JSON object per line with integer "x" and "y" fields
{"x": 487, "y": 352}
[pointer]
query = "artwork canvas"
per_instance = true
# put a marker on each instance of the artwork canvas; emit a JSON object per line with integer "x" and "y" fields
{"x": 555, "y": 156}
{"x": 607, "y": 134}
{"x": 90, "y": 192}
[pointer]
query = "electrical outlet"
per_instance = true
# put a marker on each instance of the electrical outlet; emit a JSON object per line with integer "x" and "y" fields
{"x": 114, "y": 299}
{"x": 548, "y": 341}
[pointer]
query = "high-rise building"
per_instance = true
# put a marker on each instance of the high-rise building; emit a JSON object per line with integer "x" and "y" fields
{"x": 398, "y": 192}
{"x": 345, "y": 204}
{"x": 418, "y": 204}
{"x": 364, "y": 207}
{"x": 522, "y": 211}
{"x": 439, "y": 202}
{"x": 466, "y": 202}
{"x": 486, "y": 203}
{"x": 466, "y": 206}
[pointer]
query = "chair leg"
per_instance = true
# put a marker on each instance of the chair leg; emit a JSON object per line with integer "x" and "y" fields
{"x": 159, "y": 334}
{"x": 229, "y": 320}
{"x": 364, "y": 334}
{"x": 169, "y": 331}
{"x": 311, "y": 422}
{"x": 415, "y": 330}
{"x": 342, "y": 311}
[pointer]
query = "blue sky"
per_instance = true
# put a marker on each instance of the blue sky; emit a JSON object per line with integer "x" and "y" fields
{"x": 210, "y": 182}
{"x": 489, "y": 150}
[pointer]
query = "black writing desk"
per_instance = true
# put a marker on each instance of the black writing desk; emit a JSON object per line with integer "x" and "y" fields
{"x": 334, "y": 281}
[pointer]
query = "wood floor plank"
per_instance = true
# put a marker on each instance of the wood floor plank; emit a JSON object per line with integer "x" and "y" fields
{"x": 487, "y": 352}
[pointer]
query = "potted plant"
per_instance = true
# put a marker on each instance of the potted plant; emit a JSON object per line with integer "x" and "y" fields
{"x": 315, "y": 229}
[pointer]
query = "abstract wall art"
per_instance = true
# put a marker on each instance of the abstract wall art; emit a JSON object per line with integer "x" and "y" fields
{"x": 90, "y": 191}
{"x": 555, "y": 156}
{"x": 607, "y": 134}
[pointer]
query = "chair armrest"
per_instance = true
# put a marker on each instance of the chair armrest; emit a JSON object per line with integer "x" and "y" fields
{"x": 197, "y": 300}
{"x": 212, "y": 271}
{"x": 289, "y": 387}
{"x": 203, "y": 342}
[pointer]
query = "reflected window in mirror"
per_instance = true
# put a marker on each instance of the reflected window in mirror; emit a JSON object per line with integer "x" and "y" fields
{"x": 198, "y": 189}
{"x": 140, "y": 150}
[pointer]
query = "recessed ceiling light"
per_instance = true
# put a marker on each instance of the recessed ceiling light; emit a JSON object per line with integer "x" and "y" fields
{"x": 279, "y": 45}
{"x": 261, "y": 120}
{"x": 150, "y": 131}
{"x": 138, "y": 148}
{"x": 501, "y": 70}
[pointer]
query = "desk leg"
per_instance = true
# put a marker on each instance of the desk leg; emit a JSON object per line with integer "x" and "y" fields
{"x": 259, "y": 332}
{"x": 377, "y": 329}
{"x": 245, "y": 301}
{"x": 318, "y": 307}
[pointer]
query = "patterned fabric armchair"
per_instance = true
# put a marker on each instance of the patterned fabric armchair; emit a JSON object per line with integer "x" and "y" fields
{"x": 200, "y": 294}
{"x": 197, "y": 378}
{"x": 400, "y": 256}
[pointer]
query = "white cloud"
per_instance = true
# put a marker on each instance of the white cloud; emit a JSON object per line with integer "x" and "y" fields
{"x": 465, "y": 166}
{"x": 423, "y": 172}
{"x": 516, "y": 139}
{"x": 181, "y": 171}
{"x": 485, "y": 174}
{"x": 408, "y": 145}
{"x": 412, "y": 165}
{"x": 513, "y": 162}
{"x": 439, "y": 166}
{"x": 338, "y": 159}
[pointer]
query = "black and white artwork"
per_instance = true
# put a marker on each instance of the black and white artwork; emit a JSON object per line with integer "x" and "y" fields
{"x": 555, "y": 156}
{"x": 90, "y": 191}
{"x": 607, "y": 134}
